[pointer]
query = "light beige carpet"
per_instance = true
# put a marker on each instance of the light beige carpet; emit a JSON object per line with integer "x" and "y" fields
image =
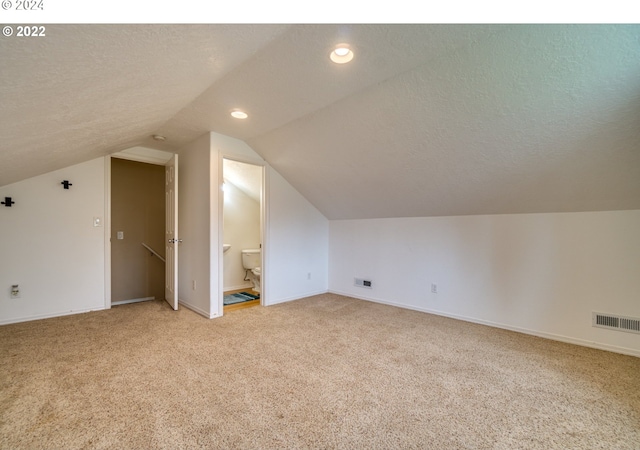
{"x": 322, "y": 372}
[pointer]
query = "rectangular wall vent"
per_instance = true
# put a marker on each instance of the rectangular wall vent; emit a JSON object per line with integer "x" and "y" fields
{"x": 362, "y": 283}
{"x": 613, "y": 322}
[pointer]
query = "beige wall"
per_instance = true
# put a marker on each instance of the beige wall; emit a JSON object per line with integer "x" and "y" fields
{"x": 137, "y": 210}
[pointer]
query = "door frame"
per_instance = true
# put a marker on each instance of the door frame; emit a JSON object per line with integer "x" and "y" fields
{"x": 107, "y": 212}
{"x": 171, "y": 232}
{"x": 107, "y": 232}
{"x": 264, "y": 224}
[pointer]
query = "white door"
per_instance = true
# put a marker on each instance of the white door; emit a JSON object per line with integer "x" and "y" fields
{"x": 171, "y": 232}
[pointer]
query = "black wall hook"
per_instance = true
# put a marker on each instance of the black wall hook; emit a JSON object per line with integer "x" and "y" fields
{"x": 7, "y": 202}
{"x": 66, "y": 184}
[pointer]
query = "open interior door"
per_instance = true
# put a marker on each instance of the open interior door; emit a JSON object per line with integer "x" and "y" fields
{"x": 171, "y": 232}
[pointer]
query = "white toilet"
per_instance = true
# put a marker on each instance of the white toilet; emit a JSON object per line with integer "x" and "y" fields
{"x": 251, "y": 262}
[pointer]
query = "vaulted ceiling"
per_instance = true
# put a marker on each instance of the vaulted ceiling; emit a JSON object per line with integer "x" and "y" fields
{"x": 426, "y": 120}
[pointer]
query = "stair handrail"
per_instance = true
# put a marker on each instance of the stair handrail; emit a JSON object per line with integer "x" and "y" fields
{"x": 153, "y": 252}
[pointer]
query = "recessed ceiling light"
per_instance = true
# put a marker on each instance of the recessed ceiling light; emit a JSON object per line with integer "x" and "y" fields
{"x": 342, "y": 51}
{"x": 157, "y": 137}
{"x": 239, "y": 114}
{"x": 341, "y": 54}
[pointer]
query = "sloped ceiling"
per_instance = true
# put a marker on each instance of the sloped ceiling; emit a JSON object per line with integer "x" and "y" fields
{"x": 427, "y": 120}
{"x": 246, "y": 177}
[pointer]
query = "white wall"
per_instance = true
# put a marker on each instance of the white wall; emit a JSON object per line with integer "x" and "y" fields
{"x": 541, "y": 274}
{"x": 241, "y": 230}
{"x": 298, "y": 244}
{"x": 194, "y": 224}
{"x": 49, "y": 246}
{"x": 296, "y": 238}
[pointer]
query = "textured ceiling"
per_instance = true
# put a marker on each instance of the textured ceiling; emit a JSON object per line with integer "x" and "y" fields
{"x": 246, "y": 177}
{"x": 426, "y": 120}
{"x": 84, "y": 91}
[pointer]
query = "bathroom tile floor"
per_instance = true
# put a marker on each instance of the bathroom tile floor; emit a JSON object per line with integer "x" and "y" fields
{"x": 242, "y": 305}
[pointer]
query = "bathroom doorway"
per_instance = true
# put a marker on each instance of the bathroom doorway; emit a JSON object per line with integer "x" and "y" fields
{"x": 242, "y": 234}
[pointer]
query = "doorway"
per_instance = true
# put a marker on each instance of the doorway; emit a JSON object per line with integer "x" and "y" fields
{"x": 129, "y": 277}
{"x": 137, "y": 231}
{"x": 242, "y": 258}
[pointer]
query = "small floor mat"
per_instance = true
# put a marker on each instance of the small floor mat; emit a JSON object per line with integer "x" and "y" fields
{"x": 239, "y": 298}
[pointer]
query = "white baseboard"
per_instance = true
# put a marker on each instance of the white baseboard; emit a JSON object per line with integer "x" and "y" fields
{"x": 551, "y": 336}
{"x": 133, "y": 300}
{"x": 193, "y": 308}
{"x": 235, "y": 288}
{"x": 297, "y": 297}
{"x": 49, "y": 315}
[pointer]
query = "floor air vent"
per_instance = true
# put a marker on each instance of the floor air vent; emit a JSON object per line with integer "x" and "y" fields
{"x": 621, "y": 323}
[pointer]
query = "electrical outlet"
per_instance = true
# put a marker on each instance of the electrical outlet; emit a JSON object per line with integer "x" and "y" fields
{"x": 434, "y": 288}
{"x": 15, "y": 291}
{"x": 194, "y": 284}
{"x": 309, "y": 276}
{"x": 363, "y": 283}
